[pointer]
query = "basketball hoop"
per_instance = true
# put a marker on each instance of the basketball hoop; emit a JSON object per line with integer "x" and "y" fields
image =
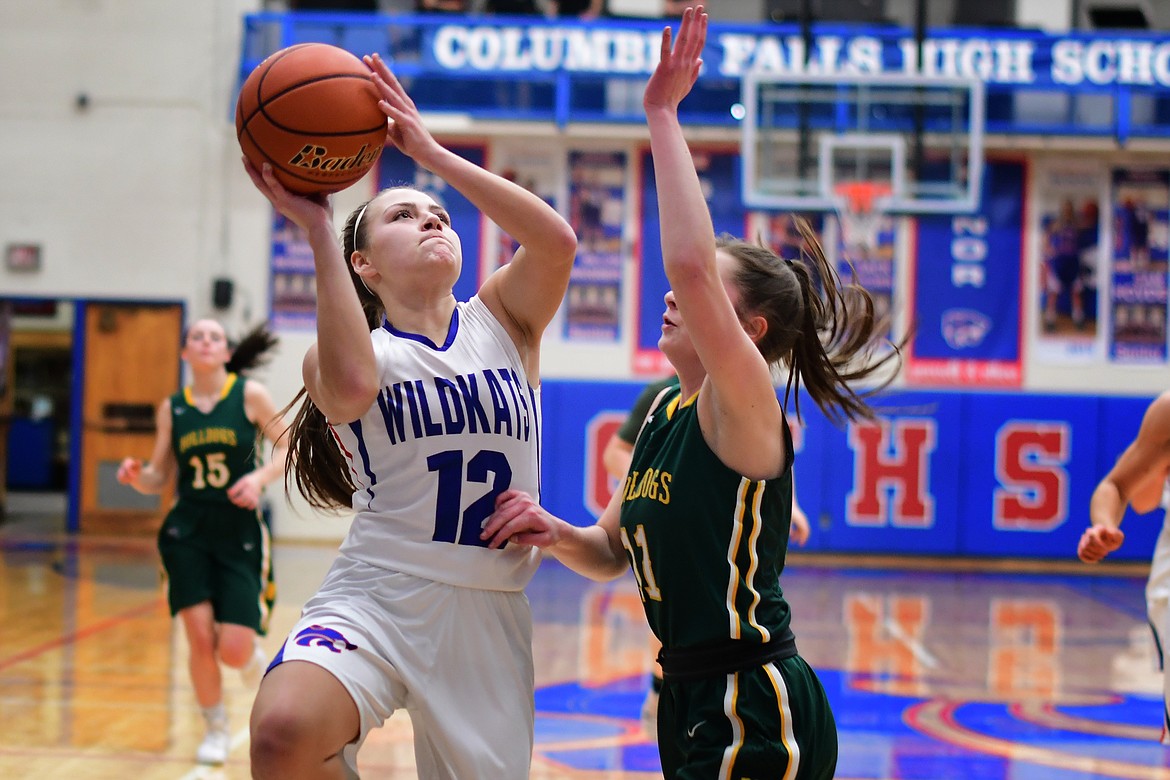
{"x": 860, "y": 221}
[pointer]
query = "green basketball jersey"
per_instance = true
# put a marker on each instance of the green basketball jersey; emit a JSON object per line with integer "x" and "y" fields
{"x": 706, "y": 544}
{"x": 213, "y": 449}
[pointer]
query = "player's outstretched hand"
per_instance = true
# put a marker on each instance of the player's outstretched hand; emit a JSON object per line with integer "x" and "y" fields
{"x": 1098, "y": 541}
{"x": 128, "y": 470}
{"x": 679, "y": 65}
{"x": 245, "y": 493}
{"x": 519, "y": 519}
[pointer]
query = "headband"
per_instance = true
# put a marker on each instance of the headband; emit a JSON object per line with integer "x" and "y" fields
{"x": 357, "y": 222}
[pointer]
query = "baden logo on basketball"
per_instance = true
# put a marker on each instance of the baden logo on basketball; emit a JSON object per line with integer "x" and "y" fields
{"x": 312, "y": 157}
{"x": 311, "y": 112}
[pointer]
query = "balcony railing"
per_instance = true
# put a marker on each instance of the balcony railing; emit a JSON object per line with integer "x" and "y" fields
{"x": 565, "y": 71}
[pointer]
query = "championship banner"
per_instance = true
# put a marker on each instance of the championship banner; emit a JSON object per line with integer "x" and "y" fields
{"x": 966, "y": 298}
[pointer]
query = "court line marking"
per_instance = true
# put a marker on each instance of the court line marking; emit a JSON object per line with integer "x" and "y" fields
{"x": 80, "y": 634}
{"x": 916, "y": 648}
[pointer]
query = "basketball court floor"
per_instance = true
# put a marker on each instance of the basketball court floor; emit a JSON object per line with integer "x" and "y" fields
{"x": 952, "y": 670}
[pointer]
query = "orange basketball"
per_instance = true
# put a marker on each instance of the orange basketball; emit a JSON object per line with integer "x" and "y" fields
{"x": 312, "y": 112}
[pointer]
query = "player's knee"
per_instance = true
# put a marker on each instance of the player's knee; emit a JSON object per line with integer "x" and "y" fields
{"x": 280, "y": 740}
{"x": 236, "y": 651}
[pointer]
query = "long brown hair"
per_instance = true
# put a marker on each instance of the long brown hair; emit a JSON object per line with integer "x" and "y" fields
{"x": 253, "y": 350}
{"x": 825, "y": 330}
{"x": 315, "y": 463}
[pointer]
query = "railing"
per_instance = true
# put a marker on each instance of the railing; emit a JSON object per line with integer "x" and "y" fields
{"x": 566, "y": 71}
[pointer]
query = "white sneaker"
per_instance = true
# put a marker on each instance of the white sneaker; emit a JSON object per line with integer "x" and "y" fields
{"x": 252, "y": 672}
{"x": 215, "y": 746}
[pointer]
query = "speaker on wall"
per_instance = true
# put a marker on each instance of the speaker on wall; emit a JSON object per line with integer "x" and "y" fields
{"x": 221, "y": 293}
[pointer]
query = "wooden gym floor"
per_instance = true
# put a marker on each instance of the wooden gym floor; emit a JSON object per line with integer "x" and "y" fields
{"x": 944, "y": 670}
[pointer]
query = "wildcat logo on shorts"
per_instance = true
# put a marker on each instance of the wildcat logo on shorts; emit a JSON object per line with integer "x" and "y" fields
{"x": 324, "y": 637}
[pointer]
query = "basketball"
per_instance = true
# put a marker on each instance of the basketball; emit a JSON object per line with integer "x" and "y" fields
{"x": 311, "y": 111}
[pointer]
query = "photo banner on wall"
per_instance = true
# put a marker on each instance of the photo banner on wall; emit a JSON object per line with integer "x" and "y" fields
{"x": 966, "y": 300}
{"x": 1141, "y": 201}
{"x": 293, "y": 277}
{"x": 1068, "y": 221}
{"x": 597, "y": 199}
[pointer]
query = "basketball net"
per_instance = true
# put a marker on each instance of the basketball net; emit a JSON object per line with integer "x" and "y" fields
{"x": 860, "y": 222}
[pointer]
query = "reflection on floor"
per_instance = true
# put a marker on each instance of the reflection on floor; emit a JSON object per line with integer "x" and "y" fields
{"x": 932, "y": 673}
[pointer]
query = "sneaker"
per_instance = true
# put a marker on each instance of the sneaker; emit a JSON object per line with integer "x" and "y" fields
{"x": 215, "y": 746}
{"x": 253, "y": 671}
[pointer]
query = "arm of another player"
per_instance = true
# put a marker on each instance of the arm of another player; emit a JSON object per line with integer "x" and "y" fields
{"x": 594, "y": 551}
{"x": 1136, "y": 479}
{"x": 800, "y": 530}
{"x": 153, "y": 476}
{"x": 619, "y": 450}
{"x": 260, "y": 409}
{"x": 616, "y": 456}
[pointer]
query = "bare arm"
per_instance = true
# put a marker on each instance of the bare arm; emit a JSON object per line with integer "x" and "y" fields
{"x": 595, "y": 552}
{"x": 616, "y": 457}
{"x": 339, "y": 371}
{"x": 155, "y": 475}
{"x": 258, "y": 406}
{"x": 1136, "y": 479}
{"x": 526, "y": 293}
{"x": 740, "y": 414}
{"x": 800, "y": 530}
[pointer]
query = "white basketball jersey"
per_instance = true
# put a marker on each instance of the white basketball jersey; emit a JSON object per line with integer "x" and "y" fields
{"x": 1158, "y": 584}
{"x": 454, "y": 425}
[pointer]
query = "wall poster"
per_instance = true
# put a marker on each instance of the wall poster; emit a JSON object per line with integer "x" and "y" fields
{"x": 597, "y": 196}
{"x": 1068, "y": 223}
{"x": 293, "y": 285}
{"x": 536, "y": 170}
{"x": 1140, "y": 202}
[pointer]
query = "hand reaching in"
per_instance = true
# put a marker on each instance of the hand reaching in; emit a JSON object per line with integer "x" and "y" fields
{"x": 678, "y": 69}
{"x": 519, "y": 519}
{"x": 129, "y": 470}
{"x": 1098, "y": 541}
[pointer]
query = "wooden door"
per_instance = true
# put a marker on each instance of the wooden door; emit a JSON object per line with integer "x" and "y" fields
{"x": 131, "y": 364}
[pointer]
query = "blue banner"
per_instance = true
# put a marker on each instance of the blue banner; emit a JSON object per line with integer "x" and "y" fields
{"x": 966, "y": 302}
{"x": 611, "y": 46}
{"x": 937, "y": 473}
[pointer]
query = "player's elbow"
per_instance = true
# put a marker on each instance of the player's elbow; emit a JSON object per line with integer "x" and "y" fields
{"x": 562, "y": 242}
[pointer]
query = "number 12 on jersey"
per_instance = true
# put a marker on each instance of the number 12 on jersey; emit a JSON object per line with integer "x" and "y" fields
{"x": 486, "y": 467}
